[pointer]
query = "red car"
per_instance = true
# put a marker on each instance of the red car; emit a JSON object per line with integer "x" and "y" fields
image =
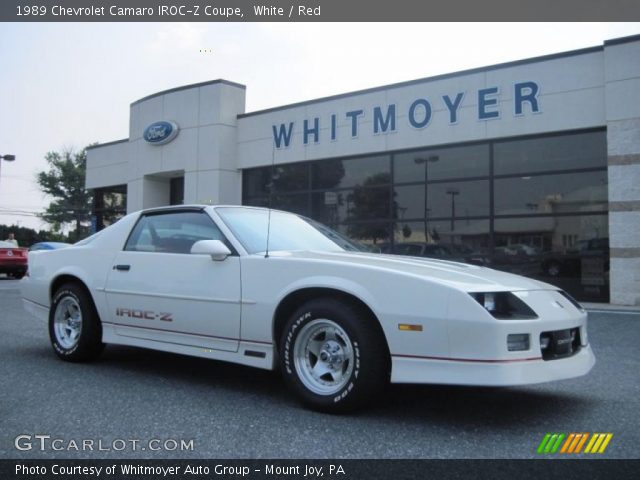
{"x": 13, "y": 260}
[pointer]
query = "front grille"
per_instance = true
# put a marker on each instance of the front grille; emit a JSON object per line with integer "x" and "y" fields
{"x": 560, "y": 343}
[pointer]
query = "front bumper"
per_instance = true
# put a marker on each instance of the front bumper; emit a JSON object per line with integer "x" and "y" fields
{"x": 414, "y": 369}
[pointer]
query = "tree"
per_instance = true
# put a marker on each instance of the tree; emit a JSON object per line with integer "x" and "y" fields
{"x": 64, "y": 182}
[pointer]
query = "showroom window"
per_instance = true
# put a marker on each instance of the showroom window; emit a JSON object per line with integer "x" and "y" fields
{"x": 109, "y": 205}
{"x": 556, "y": 152}
{"x": 442, "y": 163}
{"x": 356, "y": 172}
{"x": 536, "y": 206}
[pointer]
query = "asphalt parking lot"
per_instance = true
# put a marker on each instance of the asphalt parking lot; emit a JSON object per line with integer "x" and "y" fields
{"x": 232, "y": 411}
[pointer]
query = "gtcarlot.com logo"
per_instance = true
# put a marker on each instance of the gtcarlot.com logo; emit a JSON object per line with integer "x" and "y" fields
{"x": 28, "y": 442}
{"x": 574, "y": 443}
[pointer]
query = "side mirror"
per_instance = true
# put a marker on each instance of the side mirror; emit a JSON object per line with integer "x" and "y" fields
{"x": 215, "y": 248}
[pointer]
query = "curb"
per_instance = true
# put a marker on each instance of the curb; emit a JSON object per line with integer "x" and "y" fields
{"x": 609, "y": 308}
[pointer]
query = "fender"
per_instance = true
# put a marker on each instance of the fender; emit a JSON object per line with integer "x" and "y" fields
{"x": 95, "y": 291}
{"x": 331, "y": 283}
{"x": 334, "y": 283}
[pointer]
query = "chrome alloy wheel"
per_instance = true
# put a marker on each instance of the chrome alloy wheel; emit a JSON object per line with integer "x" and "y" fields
{"x": 67, "y": 322}
{"x": 323, "y": 357}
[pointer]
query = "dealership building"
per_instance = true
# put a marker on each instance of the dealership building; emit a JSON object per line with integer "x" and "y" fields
{"x": 530, "y": 166}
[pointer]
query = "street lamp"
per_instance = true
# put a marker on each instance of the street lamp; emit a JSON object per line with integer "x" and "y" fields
{"x": 426, "y": 161}
{"x": 453, "y": 192}
{"x": 8, "y": 158}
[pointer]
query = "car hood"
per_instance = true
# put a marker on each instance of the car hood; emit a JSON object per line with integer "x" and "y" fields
{"x": 466, "y": 277}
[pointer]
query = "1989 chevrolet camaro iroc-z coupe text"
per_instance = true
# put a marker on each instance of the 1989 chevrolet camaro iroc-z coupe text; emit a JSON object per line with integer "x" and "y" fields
{"x": 340, "y": 323}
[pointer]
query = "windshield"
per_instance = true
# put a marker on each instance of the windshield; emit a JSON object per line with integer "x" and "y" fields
{"x": 287, "y": 231}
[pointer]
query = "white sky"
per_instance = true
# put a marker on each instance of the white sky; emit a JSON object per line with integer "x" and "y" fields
{"x": 68, "y": 85}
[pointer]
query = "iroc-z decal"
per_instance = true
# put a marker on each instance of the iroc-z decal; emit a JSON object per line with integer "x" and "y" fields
{"x": 144, "y": 314}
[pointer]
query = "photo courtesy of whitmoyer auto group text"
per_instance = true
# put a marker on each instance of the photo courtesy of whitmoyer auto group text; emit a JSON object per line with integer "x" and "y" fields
{"x": 357, "y": 240}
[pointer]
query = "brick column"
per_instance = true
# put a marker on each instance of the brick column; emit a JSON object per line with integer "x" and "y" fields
{"x": 622, "y": 104}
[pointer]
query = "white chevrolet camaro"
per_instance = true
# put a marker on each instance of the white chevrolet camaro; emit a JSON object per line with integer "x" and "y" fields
{"x": 275, "y": 290}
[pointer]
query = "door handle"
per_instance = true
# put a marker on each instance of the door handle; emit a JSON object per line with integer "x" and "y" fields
{"x": 122, "y": 268}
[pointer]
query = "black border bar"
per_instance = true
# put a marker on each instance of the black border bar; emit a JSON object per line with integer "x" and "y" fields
{"x": 548, "y": 468}
{"x": 319, "y": 10}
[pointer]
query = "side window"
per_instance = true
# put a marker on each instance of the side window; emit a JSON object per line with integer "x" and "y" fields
{"x": 173, "y": 232}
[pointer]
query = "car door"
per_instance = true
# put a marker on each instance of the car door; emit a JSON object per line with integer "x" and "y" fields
{"x": 157, "y": 290}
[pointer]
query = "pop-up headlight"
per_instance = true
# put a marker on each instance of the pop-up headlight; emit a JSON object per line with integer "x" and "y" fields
{"x": 504, "y": 305}
{"x": 571, "y": 299}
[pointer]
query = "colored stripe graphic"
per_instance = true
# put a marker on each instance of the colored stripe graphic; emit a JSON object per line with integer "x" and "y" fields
{"x": 581, "y": 443}
{"x": 574, "y": 442}
{"x": 566, "y": 445}
{"x": 603, "y": 447}
{"x": 543, "y": 443}
{"x": 598, "y": 443}
{"x": 558, "y": 442}
{"x": 590, "y": 444}
{"x": 551, "y": 442}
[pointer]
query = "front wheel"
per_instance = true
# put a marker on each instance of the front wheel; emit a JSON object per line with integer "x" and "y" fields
{"x": 74, "y": 327}
{"x": 333, "y": 356}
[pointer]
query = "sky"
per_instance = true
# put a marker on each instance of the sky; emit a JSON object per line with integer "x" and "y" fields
{"x": 67, "y": 85}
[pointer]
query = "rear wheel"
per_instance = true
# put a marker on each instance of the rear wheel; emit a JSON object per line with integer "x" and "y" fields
{"x": 74, "y": 326}
{"x": 333, "y": 357}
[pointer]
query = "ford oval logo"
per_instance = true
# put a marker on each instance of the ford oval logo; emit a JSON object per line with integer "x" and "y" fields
{"x": 159, "y": 133}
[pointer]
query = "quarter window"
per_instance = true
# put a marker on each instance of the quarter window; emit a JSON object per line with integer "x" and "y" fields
{"x": 174, "y": 232}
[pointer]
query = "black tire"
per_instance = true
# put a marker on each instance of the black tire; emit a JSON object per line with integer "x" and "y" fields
{"x": 360, "y": 382}
{"x": 87, "y": 345}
